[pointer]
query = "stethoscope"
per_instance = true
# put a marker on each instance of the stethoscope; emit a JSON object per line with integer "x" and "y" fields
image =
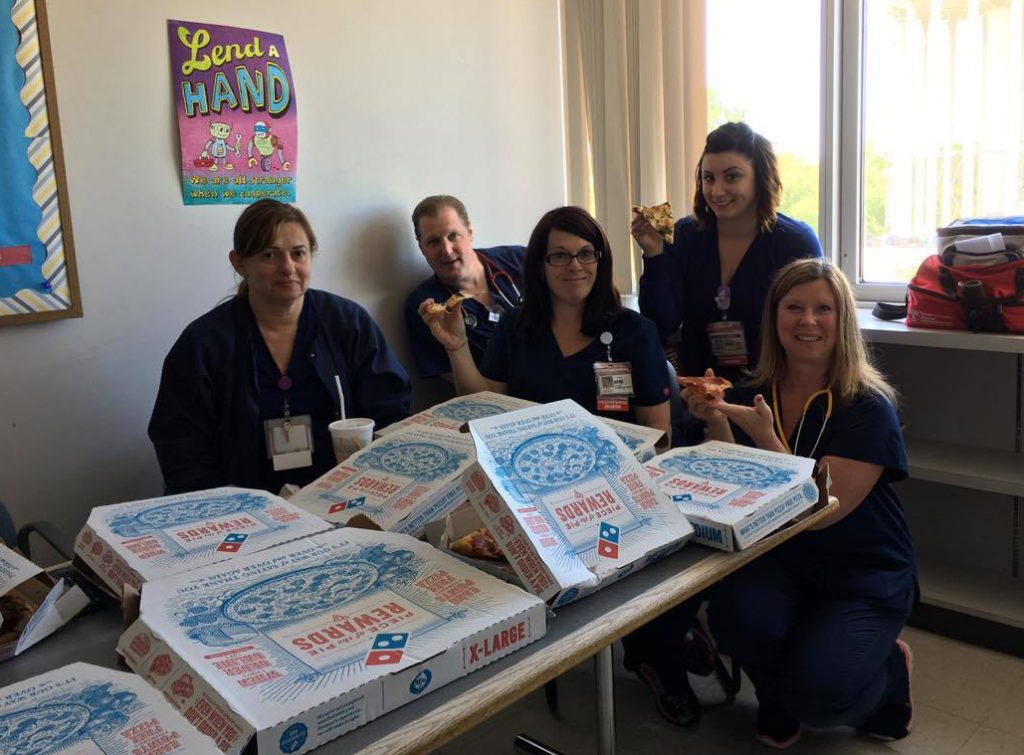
{"x": 827, "y": 392}
{"x": 494, "y": 274}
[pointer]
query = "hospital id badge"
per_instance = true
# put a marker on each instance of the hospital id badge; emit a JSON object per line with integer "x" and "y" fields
{"x": 728, "y": 343}
{"x": 289, "y": 442}
{"x": 614, "y": 385}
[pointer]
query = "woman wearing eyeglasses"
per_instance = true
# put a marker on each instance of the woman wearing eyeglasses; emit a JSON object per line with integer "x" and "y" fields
{"x": 571, "y": 333}
{"x": 815, "y": 622}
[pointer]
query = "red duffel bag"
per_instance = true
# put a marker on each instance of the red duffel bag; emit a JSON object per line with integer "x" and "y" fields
{"x": 967, "y": 297}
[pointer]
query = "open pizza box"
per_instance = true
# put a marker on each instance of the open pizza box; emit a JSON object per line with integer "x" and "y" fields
{"x": 400, "y": 481}
{"x": 289, "y": 648}
{"x": 455, "y": 414}
{"x": 81, "y": 709}
{"x": 735, "y": 496}
{"x": 127, "y": 544}
{"x": 568, "y": 503}
{"x": 461, "y": 525}
{"x": 32, "y": 604}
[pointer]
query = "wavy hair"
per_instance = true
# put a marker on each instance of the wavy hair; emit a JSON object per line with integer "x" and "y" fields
{"x": 603, "y": 303}
{"x": 739, "y": 137}
{"x": 852, "y": 370}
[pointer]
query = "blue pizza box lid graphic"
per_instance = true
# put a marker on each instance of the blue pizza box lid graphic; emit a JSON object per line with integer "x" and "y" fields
{"x": 453, "y": 414}
{"x": 138, "y": 541}
{"x": 546, "y": 479}
{"x": 400, "y": 482}
{"x": 86, "y": 708}
{"x": 336, "y": 627}
{"x": 732, "y": 494}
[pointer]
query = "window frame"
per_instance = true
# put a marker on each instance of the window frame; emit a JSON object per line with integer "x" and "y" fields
{"x": 842, "y": 171}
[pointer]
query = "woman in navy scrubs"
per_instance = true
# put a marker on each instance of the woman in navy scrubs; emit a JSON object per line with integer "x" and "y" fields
{"x": 815, "y": 622}
{"x": 571, "y": 329}
{"x": 278, "y": 354}
{"x": 712, "y": 278}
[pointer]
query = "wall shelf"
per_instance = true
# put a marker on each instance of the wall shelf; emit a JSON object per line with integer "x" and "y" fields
{"x": 966, "y": 466}
{"x": 897, "y": 331}
{"x": 984, "y": 594}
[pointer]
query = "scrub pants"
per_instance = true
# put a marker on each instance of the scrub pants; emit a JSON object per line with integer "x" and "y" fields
{"x": 827, "y": 660}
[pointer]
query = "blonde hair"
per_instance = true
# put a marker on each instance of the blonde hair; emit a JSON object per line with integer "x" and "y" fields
{"x": 852, "y": 370}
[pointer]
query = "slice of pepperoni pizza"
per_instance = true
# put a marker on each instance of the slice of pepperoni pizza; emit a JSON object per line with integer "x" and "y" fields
{"x": 709, "y": 388}
{"x": 449, "y": 304}
{"x": 660, "y": 216}
{"x": 479, "y": 544}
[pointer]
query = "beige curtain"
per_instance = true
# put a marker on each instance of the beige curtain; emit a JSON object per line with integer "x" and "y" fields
{"x": 636, "y": 111}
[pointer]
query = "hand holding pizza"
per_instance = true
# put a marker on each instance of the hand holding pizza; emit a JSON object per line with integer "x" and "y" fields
{"x": 703, "y": 395}
{"x": 445, "y": 322}
{"x": 651, "y": 227}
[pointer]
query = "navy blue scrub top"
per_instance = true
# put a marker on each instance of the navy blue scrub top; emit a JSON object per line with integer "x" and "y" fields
{"x": 504, "y": 266}
{"x": 307, "y": 395}
{"x": 869, "y": 553}
{"x": 678, "y": 288}
{"x": 534, "y": 368}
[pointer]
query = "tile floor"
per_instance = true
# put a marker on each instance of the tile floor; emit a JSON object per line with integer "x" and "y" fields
{"x": 968, "y": 700}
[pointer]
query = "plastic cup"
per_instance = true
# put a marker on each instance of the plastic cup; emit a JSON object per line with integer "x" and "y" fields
{"x": 349, "y": 435}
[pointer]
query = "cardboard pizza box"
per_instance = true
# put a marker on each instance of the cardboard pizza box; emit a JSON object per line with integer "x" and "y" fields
{"x": 570, "y": 506}
{"x": 135, "y": 542}
{"x": 400, "y": 482}
{"x": 452, "y": 415}
{"x": 81, "y": 709}
{"x": 296, "y": 645}
{"x": 734, "y": 495}
{"x": 32, "y": 604}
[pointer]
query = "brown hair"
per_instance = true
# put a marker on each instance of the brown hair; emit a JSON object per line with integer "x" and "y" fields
{"x": 852, "y": 370}
{"x": 603, "y": 303}
{"x": 257, "y": 226}
{"x": 432, "y": 205}
{"x": 739, "y": 137}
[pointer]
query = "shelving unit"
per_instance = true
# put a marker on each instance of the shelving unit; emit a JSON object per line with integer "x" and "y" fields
{"x": 958, "y": 405}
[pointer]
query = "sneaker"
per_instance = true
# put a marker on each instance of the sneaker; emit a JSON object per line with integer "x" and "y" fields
{"x": 775, "y": 727}
{"x": 699, "y": 652}
{"x": 681, "y": 710}
{"x": 892, "y": 721}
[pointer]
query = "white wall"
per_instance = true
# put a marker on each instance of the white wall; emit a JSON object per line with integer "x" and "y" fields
{"x": 396, "y": 100}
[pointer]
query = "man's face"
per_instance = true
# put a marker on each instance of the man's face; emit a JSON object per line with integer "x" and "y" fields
{"x": 447, "y": 245}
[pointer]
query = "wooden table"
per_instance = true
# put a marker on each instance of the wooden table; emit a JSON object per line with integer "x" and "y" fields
{"x": 578, "y": 631}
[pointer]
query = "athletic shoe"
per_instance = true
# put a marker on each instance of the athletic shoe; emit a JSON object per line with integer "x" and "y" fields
{"x": 891, "y": 721}
{"x": 680, "y": 709}
{"x": 775, "y": 727}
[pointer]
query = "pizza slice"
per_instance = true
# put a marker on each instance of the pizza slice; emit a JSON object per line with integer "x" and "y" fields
{"x": 708, "y": 388}
{"x": 660, "y": 216}
{"x": 478, "y": 544}
{"x": 449, "y": 304}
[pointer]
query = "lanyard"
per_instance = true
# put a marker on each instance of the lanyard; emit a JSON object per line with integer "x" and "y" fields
{"x": 827, "y": 392}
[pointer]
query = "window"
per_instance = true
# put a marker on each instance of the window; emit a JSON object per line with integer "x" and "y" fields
{"x": 931, "y": 127}
{"x": 763, "y": 68}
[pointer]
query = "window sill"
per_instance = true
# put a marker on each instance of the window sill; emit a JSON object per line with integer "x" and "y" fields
{"x": 898, "y": 332}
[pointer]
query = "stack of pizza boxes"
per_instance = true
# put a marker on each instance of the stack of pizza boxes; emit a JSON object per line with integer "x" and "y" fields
{"x": 283, "y": 650}
{"x": 127, "y": 544}
{"x": 568, "y": 503}
{"x": 411, "y": 474}
{"x": 82, "y": 708}
{"x": 734, "y": 495}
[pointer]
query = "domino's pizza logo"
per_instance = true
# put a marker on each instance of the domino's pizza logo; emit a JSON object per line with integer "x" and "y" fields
{"x": 355, "y": 503}
{"x": 294, "y": 737}
{"x": 421, "y": 682}
{"x": 387, "y": 649}
{"x": 608, "y": 541}
{"x": 810, "y": 491}
{"x": 232, "y": 542}
{"x": 682, "y": 498}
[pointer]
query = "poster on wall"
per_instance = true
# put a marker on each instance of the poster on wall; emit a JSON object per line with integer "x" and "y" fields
{"x": 236, "y": 114}
{"x": 38, "y": 279}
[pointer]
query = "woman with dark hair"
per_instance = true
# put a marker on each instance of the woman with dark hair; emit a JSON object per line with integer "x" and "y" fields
{"x": 570, "y": 330}
{"x": 270, "y": 366}
{"x": 815, "y": 622}
{"x": 713, "y": 277}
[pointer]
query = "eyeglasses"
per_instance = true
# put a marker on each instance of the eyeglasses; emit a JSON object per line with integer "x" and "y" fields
{"x": 562, "y": 259}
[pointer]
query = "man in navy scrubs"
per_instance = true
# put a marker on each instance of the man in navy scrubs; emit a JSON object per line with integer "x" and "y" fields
{"x": 492, "y": 277}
